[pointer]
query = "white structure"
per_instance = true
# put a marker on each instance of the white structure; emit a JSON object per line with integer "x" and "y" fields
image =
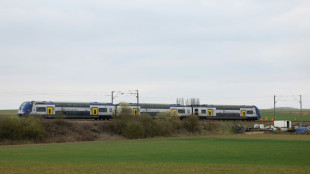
{"x": 283, "y": 124}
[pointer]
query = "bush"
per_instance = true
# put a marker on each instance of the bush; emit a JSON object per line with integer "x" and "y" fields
{"x": 14, "y": 129}
{"x": 166, "y": 115}
{"x": 123, "y": 110}
{"x": 192, "y": 124}
{"x": 134, "y": 129}
{"x": 210, "y": 125}
{"x": 237, "y": 128}
{"x": 144, "y": 126}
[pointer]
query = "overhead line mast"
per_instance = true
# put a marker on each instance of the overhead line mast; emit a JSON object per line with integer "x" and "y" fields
{"x": 300, "y": 101}
{"x": 274, "y": 107}
{"x": 138, "y": 102}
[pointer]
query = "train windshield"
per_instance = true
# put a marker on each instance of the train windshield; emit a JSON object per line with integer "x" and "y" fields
{"x": 22, "y": 106}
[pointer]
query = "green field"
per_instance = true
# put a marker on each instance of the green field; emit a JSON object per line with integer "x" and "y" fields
{"x": 282, "y": 114}
{"x": 8, "y": 113}
{"x": 171, "y": 155}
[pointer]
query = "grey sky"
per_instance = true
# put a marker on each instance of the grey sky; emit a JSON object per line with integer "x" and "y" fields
{"x": 224, "y": 52}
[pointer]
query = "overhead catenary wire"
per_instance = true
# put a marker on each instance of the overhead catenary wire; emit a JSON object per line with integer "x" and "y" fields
{"x": 129, "y": 93}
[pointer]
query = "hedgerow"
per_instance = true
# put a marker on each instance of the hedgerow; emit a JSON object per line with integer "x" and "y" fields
{"x": 16, "y": 129}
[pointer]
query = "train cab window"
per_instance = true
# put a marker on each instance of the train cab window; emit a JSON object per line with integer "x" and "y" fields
{"x": 249, "y": 112}
{"x": 103, "y": 110}
{"x": 203, "y": 111}
{"x": 41, "y": 109}
{"x": 181, "y": 111}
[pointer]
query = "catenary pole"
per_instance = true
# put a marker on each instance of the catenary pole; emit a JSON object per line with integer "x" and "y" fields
{"x": 274, "y": 107}
{"x": 138, "y": 102}
{"x": 300, "y": 110}
{"x": 112, "y": 96}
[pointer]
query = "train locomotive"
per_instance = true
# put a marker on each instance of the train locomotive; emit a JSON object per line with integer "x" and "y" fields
{"x": 95, "y": 110}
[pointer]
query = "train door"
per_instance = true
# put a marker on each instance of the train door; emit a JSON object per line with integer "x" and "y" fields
{"x": 196, "y": 112}
{"x": 210, "y": 112}
{"x": 94, "y": 111}
{"x": 243, "y": 113}
{"x": 174, "y": 112}
{"x": 50, "y": 110}
{"x": 135, "y": 111}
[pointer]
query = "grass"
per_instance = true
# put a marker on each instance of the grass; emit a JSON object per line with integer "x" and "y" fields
{"x": 282, "y": 114}
{"x": 8, "y": 113}
{"x": 171, "y": 155}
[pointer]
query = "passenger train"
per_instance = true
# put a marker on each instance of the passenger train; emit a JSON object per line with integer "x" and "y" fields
{"x": 95, "y": 110}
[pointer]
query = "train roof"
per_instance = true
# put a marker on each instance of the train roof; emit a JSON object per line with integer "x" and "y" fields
{"x": 143, "y": 105}
{"x": 74, "y": 103}
{"x": 152, "y": 105}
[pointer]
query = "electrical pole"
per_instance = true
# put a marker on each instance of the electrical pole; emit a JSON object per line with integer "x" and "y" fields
{"x": 274, "y": 107}
{"x": 300, "y": 101}
{"x": 112, "y": 96}
{"x": 138, "y": 102}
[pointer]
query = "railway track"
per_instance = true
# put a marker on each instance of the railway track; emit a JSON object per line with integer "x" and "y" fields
{"x": 256, "y": 122}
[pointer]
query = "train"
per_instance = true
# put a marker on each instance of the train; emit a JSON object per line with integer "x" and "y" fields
{"x": 105, "y": 111}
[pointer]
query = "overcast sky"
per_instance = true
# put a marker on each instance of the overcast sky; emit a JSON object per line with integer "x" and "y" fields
{"x": 220, "y": 51}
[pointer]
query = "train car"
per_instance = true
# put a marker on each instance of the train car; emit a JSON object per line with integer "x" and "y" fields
{"x": 181, "y": 111}
{"x": 49, "y": 109}
{"x": 236, "y": 112}
{"x": 217, "y": 112}
{"x": 153, "y": 109}
{"x": 96, "y": 110}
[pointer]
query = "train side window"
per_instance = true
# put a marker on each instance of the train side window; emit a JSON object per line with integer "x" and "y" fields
{"x": 249, "y": 112}
{"x": 41, "y": 109}
{"x": 203, "y": 111}
{"x": 181, "y": 111}
{"x": 103, "y": 110}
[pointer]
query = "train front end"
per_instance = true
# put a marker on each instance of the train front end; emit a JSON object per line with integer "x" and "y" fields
{"x": 25, "y": 109}
{"x": 258, "y": 113}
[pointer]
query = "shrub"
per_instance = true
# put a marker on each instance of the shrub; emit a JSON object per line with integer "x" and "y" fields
{"x": 237, "y": 128}
{"x": 123, "y": 110}
{"x": 117, "y": 126}
{"x": 134, "y": 129}
{"x": 166, "y": 115}
{"x": 144, "y": 126}
{"x": 14, "y": 129}
{"x": 210, "y": 125}
{"x": 192, "y": 124}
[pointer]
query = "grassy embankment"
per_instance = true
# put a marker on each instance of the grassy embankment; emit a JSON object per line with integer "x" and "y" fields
{"x": 169, "y": 155}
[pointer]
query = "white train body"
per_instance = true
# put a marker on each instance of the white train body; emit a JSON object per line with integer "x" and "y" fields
{"x": 106, "y": 110}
